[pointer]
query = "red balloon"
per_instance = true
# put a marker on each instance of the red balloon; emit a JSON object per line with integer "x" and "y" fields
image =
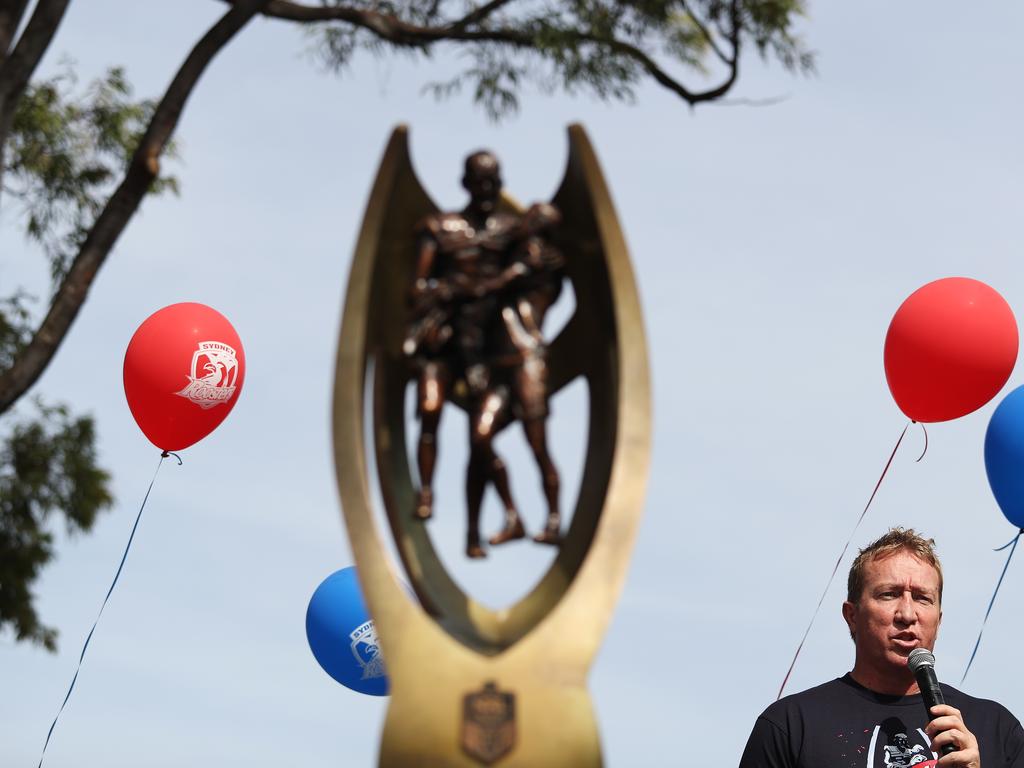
{"x": 183, "y": 372}
{"x": 950, "y": 348}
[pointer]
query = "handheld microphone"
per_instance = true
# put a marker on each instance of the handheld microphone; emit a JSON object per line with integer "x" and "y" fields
{"x": 922, "y": 663}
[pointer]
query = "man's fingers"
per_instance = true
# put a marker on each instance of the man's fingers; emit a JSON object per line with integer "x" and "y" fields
{"x": 966, "y": 758}
{"x": 944, "y": 717}
{"x": 947, "y": 728}
{"x": 940, "y": 710}
{"x": 955, "y": 736}
{"x": 945, "y": 723}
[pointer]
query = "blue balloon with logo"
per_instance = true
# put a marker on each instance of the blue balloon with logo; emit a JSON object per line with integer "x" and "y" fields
{"x": 1004, "y": 456}
{"x": 342, "y": 635}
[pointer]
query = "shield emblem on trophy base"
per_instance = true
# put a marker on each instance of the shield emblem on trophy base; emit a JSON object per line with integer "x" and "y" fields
{"x": 488, "y": 724}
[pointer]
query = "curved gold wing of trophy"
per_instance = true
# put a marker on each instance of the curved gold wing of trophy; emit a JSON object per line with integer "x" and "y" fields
{"x": 470, "y": 685}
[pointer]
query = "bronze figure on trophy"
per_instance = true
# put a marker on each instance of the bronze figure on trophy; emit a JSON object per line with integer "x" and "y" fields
{"x": 483, "y": 282}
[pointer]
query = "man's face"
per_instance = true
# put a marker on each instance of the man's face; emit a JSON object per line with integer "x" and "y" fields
{"x": 898, "y": 611}
{"x": 483, "y": 181}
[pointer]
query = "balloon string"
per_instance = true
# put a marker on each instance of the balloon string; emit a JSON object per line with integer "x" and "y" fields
{"x": 923, "y": 429}
{"x": 841, "y": 556}
{"x": 104, "y": 605}
{"x": 993, "y": 600}
{"x": 1011, "y": 542}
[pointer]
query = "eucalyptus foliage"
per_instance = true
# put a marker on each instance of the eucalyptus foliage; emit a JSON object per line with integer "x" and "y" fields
{"x": 605, "y": 48}
{"x": 47, "y": 468}
{"x": 64, "y": 153}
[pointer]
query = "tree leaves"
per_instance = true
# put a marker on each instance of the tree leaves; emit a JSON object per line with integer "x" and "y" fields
{"x": 47, "y": 465}
{"x": 601, "y": 47}
{"x": 65, "y": 152}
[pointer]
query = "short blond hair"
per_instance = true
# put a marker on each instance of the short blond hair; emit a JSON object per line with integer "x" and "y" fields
{"x": 896, "y": 540}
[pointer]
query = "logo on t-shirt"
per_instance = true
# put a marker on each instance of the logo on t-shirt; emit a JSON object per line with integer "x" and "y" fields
{"x": 893, "y": 745}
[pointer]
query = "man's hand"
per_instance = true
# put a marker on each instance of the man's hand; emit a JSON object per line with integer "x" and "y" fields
{"x": 947, "y": 727}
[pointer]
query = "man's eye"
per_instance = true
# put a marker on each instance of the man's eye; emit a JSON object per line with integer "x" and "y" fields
{"x": 924, "y": 599}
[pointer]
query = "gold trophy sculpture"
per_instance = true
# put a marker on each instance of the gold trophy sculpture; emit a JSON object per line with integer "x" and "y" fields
{"x": 453, "y": 304}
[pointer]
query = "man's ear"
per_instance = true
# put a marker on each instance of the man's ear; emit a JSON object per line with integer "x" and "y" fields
{"x": 850, "y": 615}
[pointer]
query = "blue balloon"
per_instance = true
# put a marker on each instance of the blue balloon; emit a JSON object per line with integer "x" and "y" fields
{"x": 342, "y": 635}
{"x": 1004, "y": 456}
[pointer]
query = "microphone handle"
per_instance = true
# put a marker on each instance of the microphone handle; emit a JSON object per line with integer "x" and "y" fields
{"x": 931, "y": 694}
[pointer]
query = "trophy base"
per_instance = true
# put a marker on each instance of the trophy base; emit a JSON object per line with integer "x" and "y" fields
{"x": 491, "y": 721}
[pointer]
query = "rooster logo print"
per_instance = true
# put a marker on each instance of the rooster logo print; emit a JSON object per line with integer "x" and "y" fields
{"x": 366, "y": 649}
{"x": 214, "y": 371}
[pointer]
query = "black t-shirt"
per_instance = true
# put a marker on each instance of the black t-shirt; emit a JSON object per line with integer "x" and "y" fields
{"x": 842, "y": 724}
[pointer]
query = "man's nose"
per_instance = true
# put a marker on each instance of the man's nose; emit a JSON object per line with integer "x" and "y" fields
{"x": 906, "y": 610}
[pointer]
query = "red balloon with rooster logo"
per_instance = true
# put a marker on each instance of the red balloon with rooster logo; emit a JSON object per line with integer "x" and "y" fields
{"x": 183, "y": 372}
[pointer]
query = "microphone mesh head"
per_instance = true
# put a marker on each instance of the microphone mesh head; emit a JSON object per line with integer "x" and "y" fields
{"x": 920, "y": 657}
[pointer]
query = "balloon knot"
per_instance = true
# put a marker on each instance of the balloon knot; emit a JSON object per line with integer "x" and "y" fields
{"x": 165, "y": 454}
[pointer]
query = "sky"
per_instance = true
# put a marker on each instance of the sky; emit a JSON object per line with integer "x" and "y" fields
{"x": 771, "y": 244}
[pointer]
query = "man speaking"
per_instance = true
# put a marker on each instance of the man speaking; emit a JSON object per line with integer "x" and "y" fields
{"x": 874, "y": 716}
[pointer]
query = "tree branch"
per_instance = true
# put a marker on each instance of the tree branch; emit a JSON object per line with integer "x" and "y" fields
{"x": 11, "y": 12}
{"x": 17, "y": 67}
{"x": 142, "y": 170}
{"x": 707, "y": 34}
{"x": 662, "y": 78}
{"x": 29, "y": 49}
{"x": 388, "y": 26}
{"x": 393, "y": 30}
{"x": 478, "y": 14}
